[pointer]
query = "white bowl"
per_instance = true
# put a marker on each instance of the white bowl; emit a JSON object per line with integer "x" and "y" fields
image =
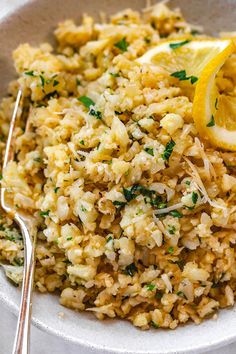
{"x": 33, "y": 21}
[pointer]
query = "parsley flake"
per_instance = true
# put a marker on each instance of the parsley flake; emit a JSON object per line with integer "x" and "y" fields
{"x": 55, "y": 83}
{"x": 216, "y": 103}
{"x": 181, "y": 75}
{"x": 42, "y": 80}
{"x": 171, "y": 229}
{"x": 176, "y": 214}
{"x": 110, "y": 238}
{"x": 87, "y": 102}
{"x": 96, "y": 114}
{"x": 29, "y": 73}
{"x": 194, "y": 197}
{"x": 150, "y": 287}
{"x": 115, "y": 74}
{"x": 69, "y": 238}
{"x": 83, "y": 208}
{"x": 56, "y": 189}
{"x": 171, "y": 250}
{"x": 168, "y": 150}
{"x": 122, "y": 45}
{"x": 149, "y": 151}
{"x": 118, "y": 203}
{"x": 44, "y": 213}
{"x": 212, "y": 122}
{"x": 179, "y": 44}
{"x": 154, "y": 325}
{"x": 81, "y": 142}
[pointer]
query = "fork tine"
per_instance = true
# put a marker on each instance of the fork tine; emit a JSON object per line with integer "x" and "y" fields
{"x": 9, "y": 152}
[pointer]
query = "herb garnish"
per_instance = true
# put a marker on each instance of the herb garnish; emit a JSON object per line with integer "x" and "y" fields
{"x": 216, "y": 104}
{"x": 181, "y": 75}
{"x": 87, "y": 102}
{"x": 212, "y": 122}
{"x": 29, "y": 73}
{"x": 154, "y": 324}
{"x": 96, "y": 114}
{"x": 176, "y": 214}
{"x": 42, "y": 80}
{"x": 179, "y": 44}
{"x": 171, "y": 229}
{"x": 171, "y": 250}
{"x": 56, "y": 189}
{"x": 44, "y": 213}
{"x": 118, "y": 203}
{"x": 149, "y": 151}
{"x": 122, "y": 45}
{"x": 150, "y": 287}
{"x": 168, "y": 150}
{"x": 83, "y": 209}
{"x": 115, "y": 74}
{"x": 55, "y": 83}
{"x": 81, "y": 142}
{"x": 194, "y": 197}
{"x": 109, "y": 239}
{"x": 69, "y": 238}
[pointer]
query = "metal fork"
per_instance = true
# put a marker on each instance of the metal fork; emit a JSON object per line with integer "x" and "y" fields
{"x": 21, "y": 343}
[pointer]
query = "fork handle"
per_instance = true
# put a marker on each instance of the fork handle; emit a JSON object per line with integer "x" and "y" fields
{"x": 22, "y": 343}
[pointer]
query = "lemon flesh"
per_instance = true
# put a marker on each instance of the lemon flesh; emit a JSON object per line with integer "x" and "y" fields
{"x": 214, "y": 113}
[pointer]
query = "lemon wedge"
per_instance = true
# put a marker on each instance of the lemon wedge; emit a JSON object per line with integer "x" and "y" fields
{"x": 191, "y": 55}
{"x": 214, "y": 112}
{"x": 198, "y": 61}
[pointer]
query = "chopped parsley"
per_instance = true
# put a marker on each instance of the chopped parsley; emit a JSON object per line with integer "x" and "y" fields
{"x": 119, "y": 204}
{"x": 181, "y": 75}
{"x": 29, "y": 73}
{"x": 37, "y": 159}
{"x": 181, "y": 294}
{"x": 110, "y": 238}
{"x": 78, "y": 82}
{"x": 87, "y": 102}
{"x": 171, "y": 229}
{"x": 115, "y": 74}
{"x": 154, "y": 325}
{"x": 81, "y": 142}
{"x": 96, "y": 114}
{"x": 56, "y": 189}
{"x": 171, "y": 250}
{"x": 69, "y": 238}
{"x": 194, "y": 197}
{"x": 176, "y": 214}
{"x": 130, "y": 270}
{"x": 179, "y": 44}
{"x": 55, "y": 83}
{"x": 168, "y": 150}
{"x": 212, "y": 122}
{"x": 83, "y": 208}
{"x": 122, "y": 45}
{"x": 150, "y": 287}
{"x": 149, "y": 151}
{"x": 42, "y": 80}
{"x": 44, "y": 213}
{"x": 216, "y": 104}
{"x": 1, "y": 177}
{"x": 188, "y": 183}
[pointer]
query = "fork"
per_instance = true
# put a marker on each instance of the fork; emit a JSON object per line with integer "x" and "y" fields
{"x": 21, "y": 343}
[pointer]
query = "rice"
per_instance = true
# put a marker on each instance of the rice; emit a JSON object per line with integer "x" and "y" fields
{"x": 123, "y": 231}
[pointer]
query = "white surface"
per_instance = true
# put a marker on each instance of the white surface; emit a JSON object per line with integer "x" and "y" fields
{"x": 42, "y": 343}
